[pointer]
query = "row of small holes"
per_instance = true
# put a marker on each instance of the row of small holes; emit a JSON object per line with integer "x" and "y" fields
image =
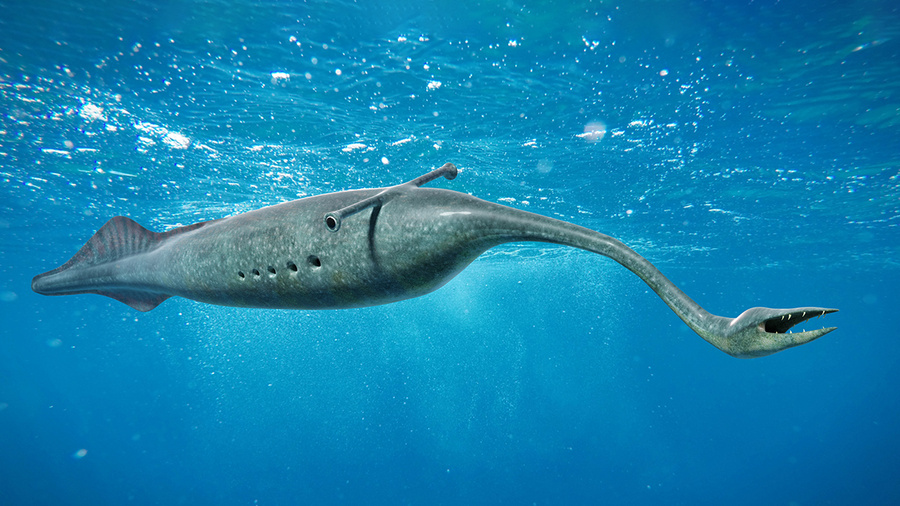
{"x": 312, "y": 260}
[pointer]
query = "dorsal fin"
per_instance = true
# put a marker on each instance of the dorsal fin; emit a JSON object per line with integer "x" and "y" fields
{"x": 117, "y": 238}
{"x": 120, "y": 237}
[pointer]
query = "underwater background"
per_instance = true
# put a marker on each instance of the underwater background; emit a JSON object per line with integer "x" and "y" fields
{"x": 749, "y": 149}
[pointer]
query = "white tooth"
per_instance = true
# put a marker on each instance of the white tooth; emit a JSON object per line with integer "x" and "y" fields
{"x": 804, "y": 314}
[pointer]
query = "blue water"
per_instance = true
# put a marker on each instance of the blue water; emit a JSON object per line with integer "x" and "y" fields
{"x": 748, "y": 149}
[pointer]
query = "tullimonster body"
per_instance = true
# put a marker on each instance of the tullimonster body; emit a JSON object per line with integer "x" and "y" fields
{"x": 364, "y": 248}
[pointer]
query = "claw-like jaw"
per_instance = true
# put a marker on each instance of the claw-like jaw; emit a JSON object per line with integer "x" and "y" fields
{"x": 761, "y": 331}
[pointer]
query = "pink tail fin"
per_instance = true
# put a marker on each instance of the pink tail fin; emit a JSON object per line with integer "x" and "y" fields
{"x": 119, "y": 238}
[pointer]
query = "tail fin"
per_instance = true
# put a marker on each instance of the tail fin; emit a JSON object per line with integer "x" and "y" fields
{"x": 119, "y": 238}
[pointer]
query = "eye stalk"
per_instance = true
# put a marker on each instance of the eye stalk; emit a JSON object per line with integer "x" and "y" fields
{"x": 333, "y": 219}
{"x": 332, "y": 222}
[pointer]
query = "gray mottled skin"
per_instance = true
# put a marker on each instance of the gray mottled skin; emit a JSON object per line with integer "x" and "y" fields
{"x": 386, "y": 245}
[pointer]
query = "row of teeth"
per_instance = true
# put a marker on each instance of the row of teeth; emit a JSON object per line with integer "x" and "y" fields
{"x": 803, "y": 315}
